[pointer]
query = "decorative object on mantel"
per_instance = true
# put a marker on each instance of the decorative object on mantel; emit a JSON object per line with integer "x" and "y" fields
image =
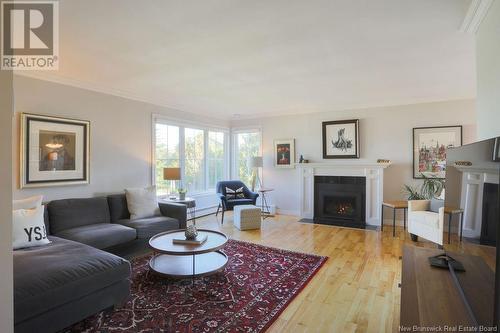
{"x": 496, "y": 150}
{"x": 429, "y": 149}
{"x": 341, "y": 139}
{"x": 54, "y": 151}
{"x": 431, "y": 188}
{"x": 303, "y": 160}
{"x": 383, "y": 161}
{"x": 191, "y": 232}
{"x": 284, "y": 153}
{"x": 463, "y": 163}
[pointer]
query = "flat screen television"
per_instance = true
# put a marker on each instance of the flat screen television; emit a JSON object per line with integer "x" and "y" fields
{"x": 472, "y": 184}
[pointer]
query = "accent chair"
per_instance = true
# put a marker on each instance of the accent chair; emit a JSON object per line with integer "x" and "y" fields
{"x": 426, "y": 219}
{"x": 229, "y": 200}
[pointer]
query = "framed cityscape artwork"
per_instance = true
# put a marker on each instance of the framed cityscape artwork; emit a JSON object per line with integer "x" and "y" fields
{"x": 429, "y": 149}
{"x": 284, "y": 153}
{"x": 54, "y": 151}
{"x": 341, "y": 139}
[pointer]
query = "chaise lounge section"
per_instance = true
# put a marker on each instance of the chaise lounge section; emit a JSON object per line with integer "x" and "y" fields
{"x": 75, "y": 276}
{"x": 58, "y": 284}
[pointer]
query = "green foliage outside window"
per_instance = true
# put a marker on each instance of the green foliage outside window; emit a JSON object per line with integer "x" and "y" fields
{"x": 248, "y": 146}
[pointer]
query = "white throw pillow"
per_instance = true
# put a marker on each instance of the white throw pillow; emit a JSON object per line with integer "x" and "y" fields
{"x": 28, "y": 229}
{"x": 142, "y": 202}
{"x": 28, "y": 203}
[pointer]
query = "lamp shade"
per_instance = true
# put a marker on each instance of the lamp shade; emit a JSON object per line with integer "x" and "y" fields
{"x": 256, "y": 162}
{"x": 171, "y": 173}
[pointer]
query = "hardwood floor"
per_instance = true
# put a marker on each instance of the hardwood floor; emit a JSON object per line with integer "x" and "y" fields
{"x": 357, "y": 289}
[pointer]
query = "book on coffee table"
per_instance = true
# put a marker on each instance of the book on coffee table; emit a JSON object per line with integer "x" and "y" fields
{"x": 200, "y": 239}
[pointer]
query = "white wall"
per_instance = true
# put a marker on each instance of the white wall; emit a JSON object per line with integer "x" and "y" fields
{"x": 120, "y": 147}
{"x": 384, "y": 133}
{"x": 6, "y": 275}
{"x": 488, "y": 74}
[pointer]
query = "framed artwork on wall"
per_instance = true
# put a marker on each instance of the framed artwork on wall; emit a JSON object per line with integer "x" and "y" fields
{"x": 54, "y": 151}
{"x": 284, "y": 153}
{"x": 429, "y": 149}
{"x": 341, "y": 139}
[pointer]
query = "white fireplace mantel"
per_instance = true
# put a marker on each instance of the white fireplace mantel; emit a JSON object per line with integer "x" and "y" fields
{"x": 374, "y": 173}
{"x": 471, "y": 201}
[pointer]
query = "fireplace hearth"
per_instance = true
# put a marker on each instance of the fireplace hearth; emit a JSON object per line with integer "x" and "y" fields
{"x": 340, "y": 200}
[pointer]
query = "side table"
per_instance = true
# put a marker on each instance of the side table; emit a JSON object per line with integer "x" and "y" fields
{"x": 394, "y": 204}
{"x": 190, "y": 205}
{"x": 264, "y": 207}
{"x": 450, "y": 211}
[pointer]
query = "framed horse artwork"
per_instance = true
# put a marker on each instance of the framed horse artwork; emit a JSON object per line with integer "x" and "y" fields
{"x": 341, "y": 139}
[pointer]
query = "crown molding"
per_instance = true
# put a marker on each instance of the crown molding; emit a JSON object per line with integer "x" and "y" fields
{"x": 475, "y": 15}
{"x": 106, "y": 90}
{"x": 45, "y": 76}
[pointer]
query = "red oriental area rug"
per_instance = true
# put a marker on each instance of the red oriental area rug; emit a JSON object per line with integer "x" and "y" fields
{"x": 257, "y": 285}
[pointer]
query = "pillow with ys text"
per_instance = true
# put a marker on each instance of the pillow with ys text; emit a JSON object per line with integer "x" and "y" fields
{"x": 28, "y": 229}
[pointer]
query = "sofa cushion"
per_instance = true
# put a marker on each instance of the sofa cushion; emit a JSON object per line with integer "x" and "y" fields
{"x": 148, "y": 227}
{"x": 71, "y": 213}
{"x": 240, "y": 202}
{"x": 118, "y": 209}
{"x": 426, "y": 218}
{"x": 142, "y": 202}
{"x": 28, "y": 228}
{"x": 49, "y": 276}
{"x": 101, "y": 236}
{"x": 27, "y": 203}
{"x": 436, "y": 204}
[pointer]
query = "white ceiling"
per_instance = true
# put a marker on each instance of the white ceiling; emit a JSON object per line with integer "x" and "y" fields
{"x": 268, "y": 57}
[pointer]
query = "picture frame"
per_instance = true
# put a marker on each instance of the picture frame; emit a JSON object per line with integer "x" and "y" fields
{"x": 429, "y": 149}
{"x": 54, "y": 151}
{"x": 284, "y": 153}
{"x": 496, "y": 150}
{"x": 341, "y": 139}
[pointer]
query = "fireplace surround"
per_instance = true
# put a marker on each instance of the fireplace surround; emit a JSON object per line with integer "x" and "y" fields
{"x": 374, "y": 187}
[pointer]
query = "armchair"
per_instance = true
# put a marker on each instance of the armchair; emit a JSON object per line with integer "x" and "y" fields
{"x": 426, "y": 219}
{"x": 227, "y": 203}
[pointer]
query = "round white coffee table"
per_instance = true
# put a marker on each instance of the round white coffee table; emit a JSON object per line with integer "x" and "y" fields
{"x": 185, "y": 260}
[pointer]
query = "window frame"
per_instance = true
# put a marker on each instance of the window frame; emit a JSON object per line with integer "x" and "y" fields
{"x": 183, "y": 124}
{"x": 239, "y": 130}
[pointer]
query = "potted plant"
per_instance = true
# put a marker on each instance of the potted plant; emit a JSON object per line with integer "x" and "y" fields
{"x": 182, "y": 193}
{"x": 431, "y": 188}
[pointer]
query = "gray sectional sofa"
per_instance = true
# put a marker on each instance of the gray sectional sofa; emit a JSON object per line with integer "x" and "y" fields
{"x": 75, "y": 276}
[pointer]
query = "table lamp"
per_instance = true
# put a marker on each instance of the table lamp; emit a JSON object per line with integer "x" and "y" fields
{"x": 172, "y": 174}
{"x": 255, "y": 164}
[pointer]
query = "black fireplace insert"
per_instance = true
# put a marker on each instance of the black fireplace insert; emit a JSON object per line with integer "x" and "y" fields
{"x": 340, "y": 200}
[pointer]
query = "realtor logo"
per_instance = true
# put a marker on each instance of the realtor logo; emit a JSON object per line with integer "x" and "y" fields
{"x": 30, "y": 35}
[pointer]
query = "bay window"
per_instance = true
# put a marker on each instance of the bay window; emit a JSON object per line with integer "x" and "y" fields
{"x": 200, "y": 151}
{"x": 246, "y": 144}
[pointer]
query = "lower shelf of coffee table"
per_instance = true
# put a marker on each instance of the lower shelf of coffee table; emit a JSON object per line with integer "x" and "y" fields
{"x": 182, "y": 266}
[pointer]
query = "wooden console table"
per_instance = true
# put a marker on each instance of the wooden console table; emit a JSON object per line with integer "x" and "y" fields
{"x": 429, "y": 297}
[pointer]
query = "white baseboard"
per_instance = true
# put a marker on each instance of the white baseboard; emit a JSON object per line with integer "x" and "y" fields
{"x": 287, "y": 212}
